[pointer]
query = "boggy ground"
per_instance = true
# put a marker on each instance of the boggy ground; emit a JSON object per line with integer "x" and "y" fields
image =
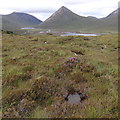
{"x": 41, "y": 71}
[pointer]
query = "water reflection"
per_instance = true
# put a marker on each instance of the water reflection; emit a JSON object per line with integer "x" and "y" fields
{"x": 74, "y": 98}
{"x": 78, "y": 34}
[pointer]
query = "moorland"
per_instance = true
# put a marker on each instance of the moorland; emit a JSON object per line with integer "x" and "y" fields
{"x": 41, "y": 72}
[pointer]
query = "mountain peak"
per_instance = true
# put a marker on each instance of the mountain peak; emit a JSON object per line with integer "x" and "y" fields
{"x": 62, "y": 12}
{"x": 63, "y": 7}
{"x": 16, "y": 12}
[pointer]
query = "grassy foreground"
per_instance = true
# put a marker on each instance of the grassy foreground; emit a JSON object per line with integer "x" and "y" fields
{"x": 40, "y": 70}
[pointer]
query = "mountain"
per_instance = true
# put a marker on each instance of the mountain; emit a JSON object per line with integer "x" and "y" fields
{"x": 18, "y": 20}
{"x": 63, "y": 15}
{"x": 111, "y": 21}
{"x": 114, "y": 13}
{"x": 65, "y": 19}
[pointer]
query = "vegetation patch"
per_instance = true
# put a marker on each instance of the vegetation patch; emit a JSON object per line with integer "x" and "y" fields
{"x": 44, "y": 74}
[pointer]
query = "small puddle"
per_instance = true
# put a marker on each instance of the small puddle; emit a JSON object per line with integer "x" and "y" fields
{"x": 74, "y": 98}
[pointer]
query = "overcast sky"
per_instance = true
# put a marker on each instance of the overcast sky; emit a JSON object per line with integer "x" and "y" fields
{"x": 42, "y": 9}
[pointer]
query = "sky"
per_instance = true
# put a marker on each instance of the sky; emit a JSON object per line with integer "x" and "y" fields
{"x": 42, "y": 9}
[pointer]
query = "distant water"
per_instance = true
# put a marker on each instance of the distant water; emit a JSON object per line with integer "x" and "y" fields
{"x": 27, "y": 28}
{"x": 77, "y": 34}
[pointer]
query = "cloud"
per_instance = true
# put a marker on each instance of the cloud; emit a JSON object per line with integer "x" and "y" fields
{"x": 42, "y": 9}
{"x": 22, "y": 4}
{"x": 95, "y": 8}
{"x": 74, "y": 2}
{"x": 44, "y": 16}
{"x": 39, "y": 10}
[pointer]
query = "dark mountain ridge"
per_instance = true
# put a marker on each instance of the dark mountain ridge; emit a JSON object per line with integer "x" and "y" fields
{"x": 17, "y": 20}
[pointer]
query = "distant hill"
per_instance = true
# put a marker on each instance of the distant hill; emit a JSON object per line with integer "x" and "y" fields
{"x": 114, "y": 13}
{"x": 64, "y": 19}
{"x": 18, "y": 20}
{"x": 111, "y": 21}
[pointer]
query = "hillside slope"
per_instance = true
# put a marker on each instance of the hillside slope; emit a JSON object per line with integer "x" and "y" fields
{"x": 18, "y": 20}
{"x": 111, "y": 21}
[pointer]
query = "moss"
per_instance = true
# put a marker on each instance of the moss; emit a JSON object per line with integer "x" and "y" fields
{"x": 84, "y": 67}
{"x": 40, "y": 113}
{"x": 13, "y": 79}
{"x": 11, "y": 113}
{"x": 49, "y": 34}
{"x": 40, "y": 91}
{"x": 25, "y": 107}
{"x": 13, "y": 97}
{"x": 78, "y": 51}
{"x": 78, "y": 77}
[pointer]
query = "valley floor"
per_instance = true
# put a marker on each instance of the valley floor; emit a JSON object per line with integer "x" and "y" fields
{"x": 42, "y": 72}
